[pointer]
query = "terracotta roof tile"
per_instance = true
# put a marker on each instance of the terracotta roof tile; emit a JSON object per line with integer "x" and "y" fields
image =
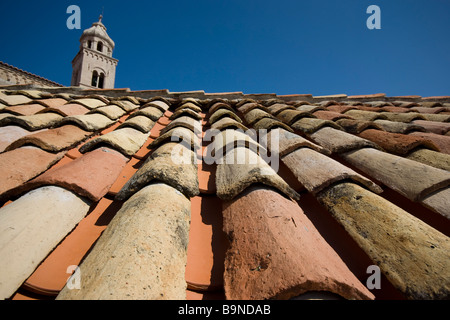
{"x": 242, "y": 168}
{"x": 311, "y": 125}
{"x": 365, "y": 115}
{"x": 185, "y": 112}
{"x": 33, "y": 122}
{"x": 51, "y": 102}
{"x": 430, "y": 126}
{"x": 14, "y": 100}
{"x": 290, "y": 116}
{"x": 270, "y": 124}
{"x": 309, "y": 108}
{"x": 178, "y": 134}
{"x": 398, "y": 127}
{"x": 126, "y": 105}
{"x": 113, "y": 112}
{"x": 396, "y": 143}
{"x": 337, "y": 141}
{"x": 52, "y": 140}
{"x": 16, "y": 167}
{"x": 222, "y": 113}
{"x": 226, "y": 123}
{"x": 283, "y": 142}
{"x": 90, "y": 103}
{"x": 37, "y": 222}
{"x": 149, "y": 263}
{"x": 403, "y": 117}
{"x": 88, "y": 122}
{"x": 185, "y": 122}
{"x": 402, "y": 245}
{"x": 150, "y": 112}
{"x": 330, "y": 115}
{"x": 24, "y": 109}
{"x": 317, "y": 171}
{"x": 271, "y": 239}
{"x": 9, "y": 134}
{"x": 278, "y": 107}
{"x": 125, "y": 140}
{"x": 254, "y": 115}
{"x": 341, "y": 108}
{"x": 439, "y": 201}
{"x": 431, "y": 158}
{"x": 173, "y": 164}
{"x": 412, "y": 179}
{"x": 230, "y": 139}
{"x": 89, "y": 176}
{"x": 357, "y": 126}
{"x": 140, "y": 123}
{"x": 443, "y": 142}
{"x": 70, "y": 109}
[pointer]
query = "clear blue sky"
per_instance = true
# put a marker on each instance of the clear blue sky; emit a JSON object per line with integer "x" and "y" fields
{"x": 253, "y": 46}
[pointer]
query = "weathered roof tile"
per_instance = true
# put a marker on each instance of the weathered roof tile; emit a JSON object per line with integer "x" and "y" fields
{"x": 89, "y": 122}
{"x": 413, "y": 256}
{"x": 33, "y": 122}
{"x": 338, "y": 141}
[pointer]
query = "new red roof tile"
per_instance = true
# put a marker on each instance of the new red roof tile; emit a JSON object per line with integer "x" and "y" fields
{"x": 143, "y": 252}
{"x": 276, "y": 252}
{"x": 90, "y": 176}
{"x": 30, "y": 228}
{"x": 16, "y": 167}
{"x": 53, "y": 140}
{"x": 413, "y": 256}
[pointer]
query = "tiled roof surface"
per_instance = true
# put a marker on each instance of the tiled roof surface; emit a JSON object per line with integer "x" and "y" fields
{"x": 95, "y": 178}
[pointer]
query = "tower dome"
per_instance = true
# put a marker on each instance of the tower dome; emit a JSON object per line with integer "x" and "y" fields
{"x": 98, "y": 30}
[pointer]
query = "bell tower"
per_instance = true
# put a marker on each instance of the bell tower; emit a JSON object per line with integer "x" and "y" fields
{"x": 93, "y": 66}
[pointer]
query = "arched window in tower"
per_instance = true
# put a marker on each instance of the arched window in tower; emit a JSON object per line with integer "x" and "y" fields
{"x": 100, "y": 46}
{"x": 101, "y": 81}
{"x": 94, "y": 79}
{"x": 90, "y": 44}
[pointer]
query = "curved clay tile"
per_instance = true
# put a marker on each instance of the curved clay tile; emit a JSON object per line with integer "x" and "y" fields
{"x": 70, "y": 109}
{"x": 230, "y": 139}
{"x": 185, "y": 122}
{"x": 185, "y": 112}
{"x": 51, "y": 102}
{"x": 337, "y": 141}
{"x": 340, "y": 108}
{"x": 270, "y": 124}
{"x": 10, "y": 134}
{"x": 88, "y": 122}
{"x": 398, "y": 127}
{"x": 244, "y": 101}
{"x": 432, "y": 158}
{"x": 443, "y": 142}
{"x": 150, "y": 112}
{"x": 189, "y": 105}
{"x": 402, "y": 117}
{"x": 172, "y": 164}
{"x": 330, "y": 115}
{"x": 357, "y": 126}
{"x": 90, "y": 103}
{"x": 405, "y": 104}
{"x": 428, "y": 110}
{"x": 316, "y": 171}
{"x": 412, "y": 179}
{"x": 14, "y": 100}
{"x": 278, "y": 107}
{"x": 228, "y": 123}
{"x": 141, "y": 123}
{"x": 112, "y": 111}
{"x": 142, "y": 253}
{"x": 90, "y": 176}
{"x": 30, "y": 228}
{"x": 309, "y": 108}
{"x": 254, "y": 115}
{"x": 396, "y": 143}
{"x": 275, "y": 252}
{"x": 128, "y": 141}
{"x": 311, "y": 125}
{"x": 126, "y": 105}
{"x": 219, "y": 105}
{"x": 289, "y": 116}
{"x": 33, "y": 122}
{"x": 431, "y": 126}
{"x": 437, "y": 117}
{"x": 53, "y": 140}
{"x": 17, "y": 168}
{"x": 412, "y": 255}
{"x": 286, "y": 142}
{"x": 179, "y": 134}
{"x": 439, "y": 202}
{"x": 242, "y": 168}
{"x": 250, "y": 106}
{"x": 366, "y": 115}
{"x": 161, "y": 102}
{"x": 222, "y": 113}
{"x": 191, "y": 100}
{"x": 24, "y": 109}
